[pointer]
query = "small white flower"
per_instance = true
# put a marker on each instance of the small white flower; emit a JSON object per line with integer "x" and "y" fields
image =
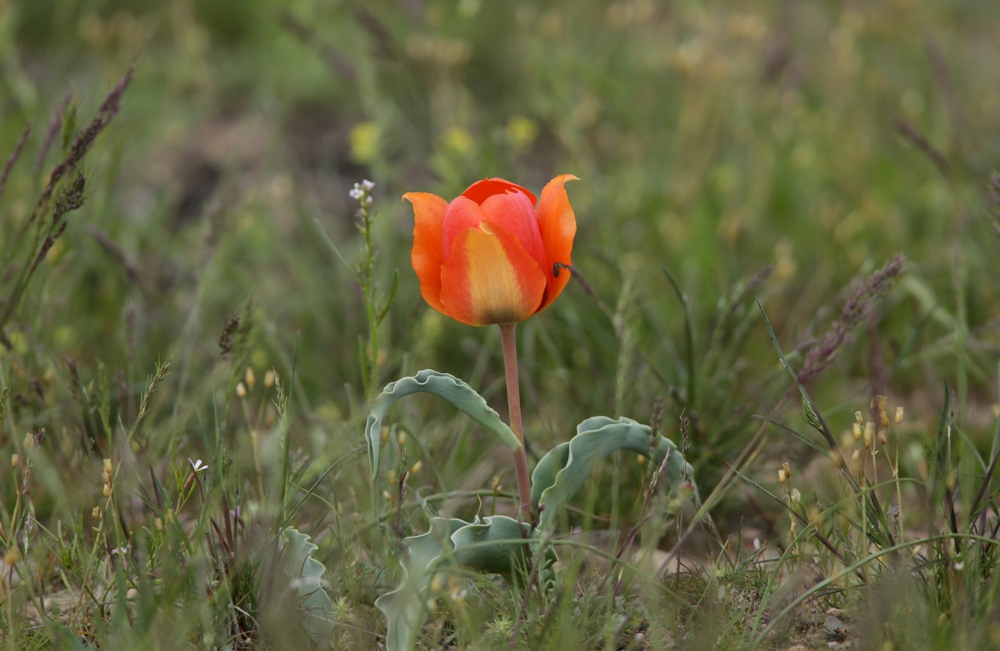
{"x": 959, "y": 565}
{"x": 120, "y": 551}
{"x": 368, "y": 201}
{"x": 756, "y": 543}
{"x": 367, "y": 185}
{"x": 197, "y": 466}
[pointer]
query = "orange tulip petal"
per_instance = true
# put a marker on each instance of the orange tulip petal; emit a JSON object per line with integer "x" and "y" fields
{"x": 490, "y": 278}
{"x": 461, "y": 214}
{"x": 480, "y": 191}
{"x": 515, "y": 212}
{"x": 557, "y": 223}
{"x": 427, "y": 255}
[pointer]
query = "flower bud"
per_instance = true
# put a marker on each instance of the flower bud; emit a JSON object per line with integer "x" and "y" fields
{"x": 882, "y": 440}
{"x": 857, "y": 431}
{"x": 250, "y": 378}
{"x": 899, "y": 415}
{"x": 869, "y": 434}
{"x": 781, "y": 475}
{"x": 787, "y": 469}
{"x": 401, "y": 438}
{"x": 241, "y": 390}
{"x": 159, "y": 524}
{"x": 107, "y": 490}
{"x": 269, "y": 379}
{"x": 96, "y": 513}
{"x": 416, "y": 467}
{"x": 859, "y": 418}
{"x": 108, "y": 467}
{"x": 796, "y": 495}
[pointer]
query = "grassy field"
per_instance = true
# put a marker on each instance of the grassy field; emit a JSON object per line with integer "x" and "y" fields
{"x": 187, "y": 364}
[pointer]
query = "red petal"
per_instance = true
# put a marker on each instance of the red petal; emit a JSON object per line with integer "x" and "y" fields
{"x": 462, "y": 214}
{"x": 516, "y": 214}
{"x": 490, "y": 278}
{"x": 480, "y": 191}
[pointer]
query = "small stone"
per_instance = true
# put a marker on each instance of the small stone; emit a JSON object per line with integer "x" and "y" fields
{"x": 836, "y": 629}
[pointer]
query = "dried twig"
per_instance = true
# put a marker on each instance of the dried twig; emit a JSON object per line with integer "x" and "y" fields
{"x": 917, "y": 139}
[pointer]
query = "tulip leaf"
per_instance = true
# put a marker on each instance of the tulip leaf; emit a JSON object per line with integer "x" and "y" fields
{"x": 446, "y": 386}
{"x": 496, "y": 545}
{"x": 561, "y": 472}
{"x": 305, "y": 576}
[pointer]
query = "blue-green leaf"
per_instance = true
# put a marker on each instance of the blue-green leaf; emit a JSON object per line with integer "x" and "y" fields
{"x": 561, "y": 472}
{"x": 305, "y": 575}
{"x": 446, "y": 386}
{"x": 496, "y": 545}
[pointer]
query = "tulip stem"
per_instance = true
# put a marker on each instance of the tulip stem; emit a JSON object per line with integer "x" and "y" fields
{"x": 514, "y": 407}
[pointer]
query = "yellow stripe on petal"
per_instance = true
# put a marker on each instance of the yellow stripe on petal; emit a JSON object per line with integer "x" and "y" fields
{"x": 490, "y": 278}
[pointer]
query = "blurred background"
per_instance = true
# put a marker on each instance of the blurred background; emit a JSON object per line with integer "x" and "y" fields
{"x": 766, "y": 148}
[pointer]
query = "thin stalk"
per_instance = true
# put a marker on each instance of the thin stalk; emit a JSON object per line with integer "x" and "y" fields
{"x": 509, "y": 342}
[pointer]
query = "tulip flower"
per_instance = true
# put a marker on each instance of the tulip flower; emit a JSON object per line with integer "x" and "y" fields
{"x": 493, "y": 256}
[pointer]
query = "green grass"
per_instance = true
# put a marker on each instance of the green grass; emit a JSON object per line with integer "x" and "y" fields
{"x": 753, "y": 150}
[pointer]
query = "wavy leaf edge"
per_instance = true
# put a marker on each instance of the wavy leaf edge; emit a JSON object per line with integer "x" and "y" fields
{"x": 443, "y": 385}
{"x": 562, "y": 471}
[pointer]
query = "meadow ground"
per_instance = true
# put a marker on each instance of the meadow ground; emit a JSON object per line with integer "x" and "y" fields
{"x": 187, "y": 364}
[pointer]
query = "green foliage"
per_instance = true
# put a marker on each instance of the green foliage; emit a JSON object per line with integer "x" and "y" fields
{"x": 494, "y": 545}
{"x": 564, "y": 469}
{"x": 305, "y": 575}
{"x": 446, "y": 386}
{"x": 758, "y": 150}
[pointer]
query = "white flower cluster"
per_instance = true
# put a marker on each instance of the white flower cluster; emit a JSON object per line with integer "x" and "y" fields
{"x": 362, "y": 192}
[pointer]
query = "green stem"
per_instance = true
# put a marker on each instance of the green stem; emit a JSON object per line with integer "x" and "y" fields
{"x": 509, "y": 342}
